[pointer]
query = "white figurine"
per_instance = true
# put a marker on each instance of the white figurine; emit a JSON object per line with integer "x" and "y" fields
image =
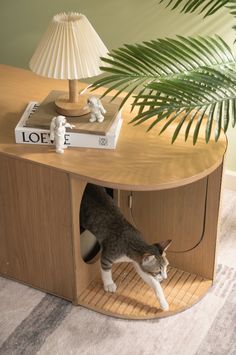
{"x": 96, "y": 108}
{"x": 58, "y": 131}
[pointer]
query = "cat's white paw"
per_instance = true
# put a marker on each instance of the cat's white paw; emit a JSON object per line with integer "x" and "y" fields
{"x": 164, "y": 305}
{"x": 110, "y": 288}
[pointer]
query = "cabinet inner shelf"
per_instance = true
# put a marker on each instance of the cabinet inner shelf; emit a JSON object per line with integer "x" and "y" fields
{"x": 134, "y": 299}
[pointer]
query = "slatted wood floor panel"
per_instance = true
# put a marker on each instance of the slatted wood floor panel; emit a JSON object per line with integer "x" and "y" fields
{"x": 136, "y": 300}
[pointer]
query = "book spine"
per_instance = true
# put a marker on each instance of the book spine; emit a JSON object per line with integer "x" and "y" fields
{"x": 28, "y": 135}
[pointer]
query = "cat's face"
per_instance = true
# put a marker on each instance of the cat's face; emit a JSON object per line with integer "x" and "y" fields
{"x": 157, "y": 264}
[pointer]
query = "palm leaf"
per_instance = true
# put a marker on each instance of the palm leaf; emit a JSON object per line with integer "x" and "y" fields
{"x": 191, "y": 120}
{"x": 199, "y": 92}
{"x": 232, "y": 6}
{"x": 208, "y": 7}
{"x": 210, "y": 122}
{"x": 169, "y": 76}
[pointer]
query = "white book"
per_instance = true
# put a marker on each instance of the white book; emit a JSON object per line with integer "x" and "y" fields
{"x": 29, "y": 135}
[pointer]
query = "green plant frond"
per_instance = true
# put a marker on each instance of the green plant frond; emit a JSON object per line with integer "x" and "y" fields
{"x": 192, "y": 5}
{"x": 223, "y": 47}
{"x": 232, "y": 7}
{"x": 141, "y": 57}
{"x": 209, "y": 49}
{"x": 137, "y": 63}
{"x": 172, "y": 54}
{"x": 122, "y": 89}
{"x": 208, "y": 7}
{"x": 190, "y": 122}
{"x": 209, "y": 83}
{"x": 127, "y": 95}
{"x": 188, "y": 51}
{"x": 226, "y": 116}
{"x": 214, "y": 48}
{"x": 197, "y": 91}
{"x": 141, "y": 92}
{"x": 208, "y": 46}
{"x": 210, "y": 122}
{"x": 163, "y": 115}
{"x": 213, "y": 6}
{"x": 233, "y": 112}
{"x": 198, "y": 124}
{"x": 227, "y": 76}
{"x": 165, "y": 67}
{"x": 179, "y": 126}
{"x": 144, "y": 116}
{"x": 149, "y": 54}
{"x": 205, "y": 84}
{"x": 199, "y": 44}
{"x": 219, "y": 120}
{"x": 167, "y": 76}
{"x": 179, "y": 96}
{"x": 186, "y": 95}
{"x": 172, "y": 118}
{"x": 107, "y": 80}
{"x": 172, "y": 89}
{"x": 120, "y": 69}
{"x": 122, "y": 66}
{"x": 160, "y": 59}
{"x": 116, "y": 86}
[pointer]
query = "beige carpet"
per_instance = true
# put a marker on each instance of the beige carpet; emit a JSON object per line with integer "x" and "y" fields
{"x": 32, "y": 322}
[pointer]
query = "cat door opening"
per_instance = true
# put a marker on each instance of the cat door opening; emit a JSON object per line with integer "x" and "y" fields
{"x": 89, "y": 246}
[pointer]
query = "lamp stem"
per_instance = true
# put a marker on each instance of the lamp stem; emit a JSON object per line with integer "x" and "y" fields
{"x": 73, "y": 90}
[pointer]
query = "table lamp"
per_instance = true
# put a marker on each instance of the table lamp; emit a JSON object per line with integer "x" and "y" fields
{"x": 70, "y": 49}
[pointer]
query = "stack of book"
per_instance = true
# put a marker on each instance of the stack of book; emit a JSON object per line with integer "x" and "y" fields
{"x": 34, "y": 126}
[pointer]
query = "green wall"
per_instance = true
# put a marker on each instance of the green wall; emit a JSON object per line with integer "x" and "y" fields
{"x": 22, "y": 22}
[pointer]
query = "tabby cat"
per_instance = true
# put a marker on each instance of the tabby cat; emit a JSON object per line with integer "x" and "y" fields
{"x": 120, "y": 241}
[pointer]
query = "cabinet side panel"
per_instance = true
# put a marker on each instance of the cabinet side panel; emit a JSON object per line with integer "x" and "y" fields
{"x": 188, "y": 215}
{"x": 84, "y": 272}
{"x": 175, "y": 214}
{"x": 202, "y": 259}
{"x": 35, "y": 235}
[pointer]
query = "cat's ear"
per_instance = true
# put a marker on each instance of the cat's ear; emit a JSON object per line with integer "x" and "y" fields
{"x": 147, "y": 259}
{"x": 164, "y": 245}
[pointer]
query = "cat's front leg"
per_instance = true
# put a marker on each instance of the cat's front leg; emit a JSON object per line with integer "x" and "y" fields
{"x": 160, "y": 295}
{"x": 108, "y": 283}
{"x": 155, "y": 284}
{"x": 106, "y": 265}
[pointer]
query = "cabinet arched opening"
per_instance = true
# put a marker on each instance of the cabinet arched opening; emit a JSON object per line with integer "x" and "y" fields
{"x": 89, "y": 246}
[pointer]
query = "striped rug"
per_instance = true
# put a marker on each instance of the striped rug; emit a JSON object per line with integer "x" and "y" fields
{"x": 32, "y": 322}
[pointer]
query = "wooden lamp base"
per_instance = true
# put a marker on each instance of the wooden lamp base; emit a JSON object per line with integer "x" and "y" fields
{"x": 67, "y": 108}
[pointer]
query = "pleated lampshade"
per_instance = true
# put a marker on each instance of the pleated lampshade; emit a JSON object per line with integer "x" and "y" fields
{"x": 69, "y": 49}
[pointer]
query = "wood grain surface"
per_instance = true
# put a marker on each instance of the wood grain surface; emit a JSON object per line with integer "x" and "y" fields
{"x": 176, "y": 214}
{"x": 35, "y": 234}
{"x": 141, "y": 161}
{"x": 134, "y": 299}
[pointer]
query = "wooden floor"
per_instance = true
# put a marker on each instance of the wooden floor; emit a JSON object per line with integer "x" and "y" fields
{"x": 135, "y": 300}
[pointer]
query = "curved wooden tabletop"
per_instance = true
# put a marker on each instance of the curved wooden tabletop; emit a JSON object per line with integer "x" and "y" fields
{"x": 142, "y": 161}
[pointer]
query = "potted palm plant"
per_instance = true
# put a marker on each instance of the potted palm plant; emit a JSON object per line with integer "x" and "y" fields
{"x": 178, "y": 81}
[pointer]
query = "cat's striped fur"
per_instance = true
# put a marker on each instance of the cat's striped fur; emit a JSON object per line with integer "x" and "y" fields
{"x": 121, "y": 241}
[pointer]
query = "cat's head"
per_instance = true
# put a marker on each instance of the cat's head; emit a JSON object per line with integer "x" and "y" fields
{"x": 156, "y": 263}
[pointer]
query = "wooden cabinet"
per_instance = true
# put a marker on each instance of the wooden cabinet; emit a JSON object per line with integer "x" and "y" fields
{"x": 167, "y": 191}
